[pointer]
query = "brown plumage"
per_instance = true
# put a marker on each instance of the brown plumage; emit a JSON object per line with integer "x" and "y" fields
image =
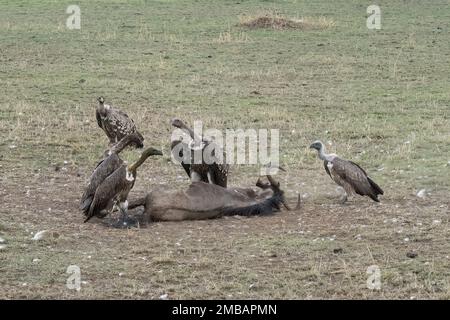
{"x": 104, "y": 168}
{"x": 114, "y": 189}
{"x": 348, "y": 175}
{"x": 115, "y": 123}
{"x": 215, "y": 173}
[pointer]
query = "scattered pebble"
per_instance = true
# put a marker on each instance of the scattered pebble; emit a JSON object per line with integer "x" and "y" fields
{"x": 36, "y": 260}
{"x": 411, "y": 255}
{"x": 121, "y": 274}
{"x": 422, "y": 193}
{"x": 39, "y": 235}
{"x": 2, "y": 240}
{"x": 164, "y": 296}
{"x": 338, "y": 250}
{"x": 2, "y": 246}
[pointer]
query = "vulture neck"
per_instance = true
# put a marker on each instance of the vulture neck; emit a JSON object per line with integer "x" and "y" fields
{"x": 102, "y": 108}
{"x": 119, "y": 146}
{"x": 133, "y": 167}
{"x": 194, "y": 137}
{"x": 324, "y": 156}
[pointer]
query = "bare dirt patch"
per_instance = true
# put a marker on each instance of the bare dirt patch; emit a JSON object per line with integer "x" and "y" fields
{"x": 279, "y": 22}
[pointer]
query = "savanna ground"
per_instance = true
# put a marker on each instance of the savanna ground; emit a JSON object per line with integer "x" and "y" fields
{"x": 380, "y": 97}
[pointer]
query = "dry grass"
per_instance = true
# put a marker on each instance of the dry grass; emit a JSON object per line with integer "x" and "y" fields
{"x": 271, "y": 20}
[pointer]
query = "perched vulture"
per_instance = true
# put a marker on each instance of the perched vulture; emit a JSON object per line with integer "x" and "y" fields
{"x": 115, "y": 123}
{"x": 215, "y": 173}
{"x": 115, "y": 186}
{"x": 347, "y": 174}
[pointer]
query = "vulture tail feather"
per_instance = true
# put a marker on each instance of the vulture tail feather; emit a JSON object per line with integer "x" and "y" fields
{"x": 375, "y": 187}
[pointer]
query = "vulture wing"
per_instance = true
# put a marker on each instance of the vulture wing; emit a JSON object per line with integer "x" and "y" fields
{"x": 356, "y": 177}
{"x": 99, "y": 119}
{"x": 325, "y": 164}
{"x": 220, "y": 174}
{"x": 101, "y": 172}
{"x": 186, "y": 166}
{"x": 108, "y": 190}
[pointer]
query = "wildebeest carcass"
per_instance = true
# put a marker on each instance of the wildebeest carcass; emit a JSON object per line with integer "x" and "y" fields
{"x": 207, "y": 201}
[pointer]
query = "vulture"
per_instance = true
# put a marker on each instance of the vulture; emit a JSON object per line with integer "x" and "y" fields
{"x": 347, "y": 174}
{"x": 214, "y": 173}
{"x": 115, "y": 123}
{"x": 113, "y": 182}
{"x": 104, "y": 168}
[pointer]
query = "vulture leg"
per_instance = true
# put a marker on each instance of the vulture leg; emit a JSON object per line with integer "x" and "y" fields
{"x": 125, "y": 221}
{"x": 344, "y": 196}
{"x": 195, "y": 176}
{"x": 211, "y": 179}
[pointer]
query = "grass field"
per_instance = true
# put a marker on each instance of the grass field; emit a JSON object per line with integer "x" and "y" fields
{"x": 380, "y": 97}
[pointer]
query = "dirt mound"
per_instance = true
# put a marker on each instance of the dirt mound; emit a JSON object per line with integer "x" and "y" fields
{"x": 281, "y": 23}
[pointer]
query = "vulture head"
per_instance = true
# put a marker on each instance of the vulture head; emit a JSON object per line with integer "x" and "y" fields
{"x": 101, "y": 100}
{"x": 318, "y": 145}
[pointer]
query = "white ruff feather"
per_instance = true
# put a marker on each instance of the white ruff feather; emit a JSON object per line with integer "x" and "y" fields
{"x": 129, "y": 176}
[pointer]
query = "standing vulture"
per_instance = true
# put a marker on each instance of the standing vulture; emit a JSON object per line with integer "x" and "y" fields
{"x": 115, "y": 123}
{"x": 115, "y": 186}
{"x": 214, "y": 173}
{"x": 104, "y": 168}
{"x": 348, "y": 175}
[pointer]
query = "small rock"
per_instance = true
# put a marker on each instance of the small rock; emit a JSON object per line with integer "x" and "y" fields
{"x": 412, "y": 255}
{"x": 164, "y": 296}
{"x": 121, "y": 274}
{"x": 2, "y": 246}
{"x": 2, "y": 240}
{"x": 422, "y": 193}
{"x": 338, "y": 250}
{"x": 36, "y": 260}
{"x": 39, "y": 235}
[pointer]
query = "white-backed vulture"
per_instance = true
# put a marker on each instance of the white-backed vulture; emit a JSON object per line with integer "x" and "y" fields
{"x": 114, "y": 189}
{"x": 347, "y": 174}
{"x": 207, "y": 201}
{"x": 110, "y": 163}
{"x": 215, "y": 172}
{"x": 115, "y": 123}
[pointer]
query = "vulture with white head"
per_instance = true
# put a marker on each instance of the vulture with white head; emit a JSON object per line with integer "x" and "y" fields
{"x": 347, "y": 174}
